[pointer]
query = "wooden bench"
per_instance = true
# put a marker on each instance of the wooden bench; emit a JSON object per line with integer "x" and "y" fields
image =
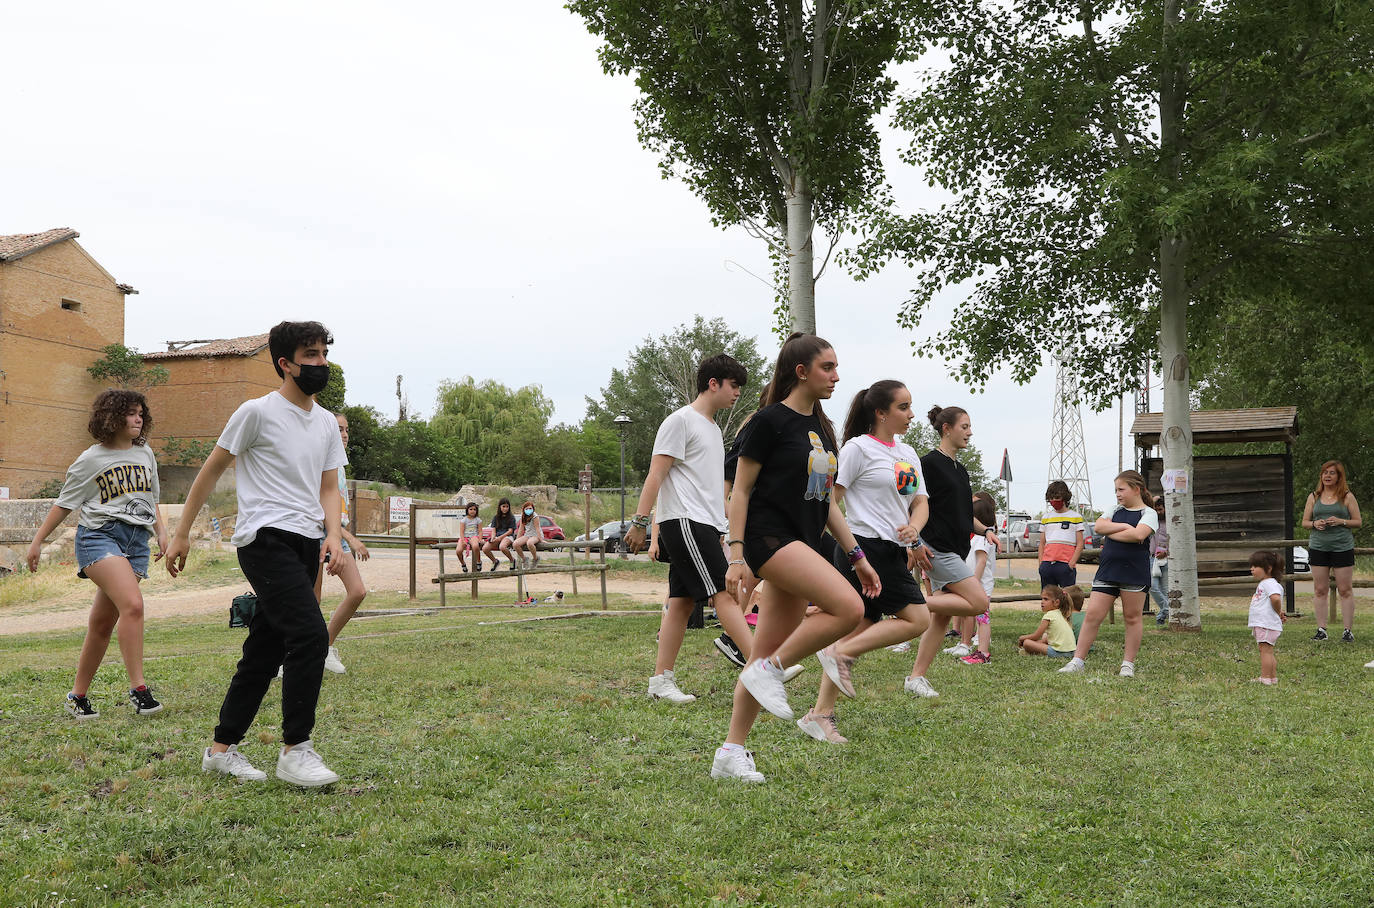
{"x": 521, "y": 572}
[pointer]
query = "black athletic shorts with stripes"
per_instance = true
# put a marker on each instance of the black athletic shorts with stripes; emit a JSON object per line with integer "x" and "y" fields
{"x": 696, "y": 560}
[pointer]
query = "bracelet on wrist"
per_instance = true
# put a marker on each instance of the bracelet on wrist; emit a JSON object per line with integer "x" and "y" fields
{"x": 736, "y": 561}
{"x": 641, "y": 521}
{"x": 856, "y": 555}
{"x": 734, "y": 542}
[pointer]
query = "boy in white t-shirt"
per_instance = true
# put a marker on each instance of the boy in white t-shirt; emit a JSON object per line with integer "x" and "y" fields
{"x": 982, "y": 559}
{"x": 287, "y": 452}
{"x": 687, "y": 482}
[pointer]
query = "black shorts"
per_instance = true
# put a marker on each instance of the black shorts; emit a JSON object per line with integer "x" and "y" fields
{"x": 900, "y": 588}
{"x": 1318, "y": 558}
{"x": 1114, "y": 589}
{"x": 696, "y": 561}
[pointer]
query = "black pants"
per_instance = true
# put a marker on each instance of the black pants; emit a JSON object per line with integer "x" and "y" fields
{"x": 287, "y": 630}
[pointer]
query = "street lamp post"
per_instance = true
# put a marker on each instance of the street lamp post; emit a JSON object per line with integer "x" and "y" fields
{"x": 622, "y": 425}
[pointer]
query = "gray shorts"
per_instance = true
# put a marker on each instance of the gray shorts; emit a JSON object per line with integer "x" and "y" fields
{"x": 946, "y": 568}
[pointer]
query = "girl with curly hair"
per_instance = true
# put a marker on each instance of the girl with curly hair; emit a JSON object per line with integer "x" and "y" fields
{"x": 114, "y": 485}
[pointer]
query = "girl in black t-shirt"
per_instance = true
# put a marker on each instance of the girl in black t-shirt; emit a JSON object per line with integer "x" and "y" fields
{"x": 945, "y": 541}
{"x": 779, "y": 506}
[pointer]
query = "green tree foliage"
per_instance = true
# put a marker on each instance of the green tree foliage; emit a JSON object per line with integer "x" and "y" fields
{"x": 185, "y": 451}
{"x": 765, "y": 109}
{"x": 123, "y": 367}
{"x": 922, "y": 437}
{"x": 660, "y": 376}
{"x": 484, "y": 420}
{"x": 1285, "y": 351}
{"x": 332, "y": 397}
{"x": 1078, "y": 137}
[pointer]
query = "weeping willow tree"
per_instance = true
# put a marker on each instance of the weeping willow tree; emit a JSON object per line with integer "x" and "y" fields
{"x": 487, "y": 417}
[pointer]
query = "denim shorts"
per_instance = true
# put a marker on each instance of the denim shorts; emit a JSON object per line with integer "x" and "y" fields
{"x": 1056, "y": 654}
{"x": 115, "y": 538}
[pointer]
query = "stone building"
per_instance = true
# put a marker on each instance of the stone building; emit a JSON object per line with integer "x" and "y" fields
{"x": 207, "y": 380}
{"x": 58, "y": 309}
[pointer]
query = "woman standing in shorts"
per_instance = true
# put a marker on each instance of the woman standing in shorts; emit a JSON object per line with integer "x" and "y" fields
{"x": 1123, "y": 570}
{"x": 780, "y": 503}
{"x": 1331, "y": 513}
{"x": 886, "y": 506}
{"x": 945, "y": 540}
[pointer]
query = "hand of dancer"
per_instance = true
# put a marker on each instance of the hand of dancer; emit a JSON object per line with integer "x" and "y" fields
{"x": 740, "y": 582}
{"x": 34, "y": 553}
{"x": 996, "y": 542}
{"x": 361, "y": 553}
{"x": 911, "y": 561}
{"x": 923, "y": 557}
{"x": 908, "y": 533}
{"x": 175, "y": 554}
{"x": 331, "y": 555}
{"x": 634, "y": 539}
{"x": 868, "y": 579}
{"x": 161, "y": 545}
{"x": 653, "y": 549}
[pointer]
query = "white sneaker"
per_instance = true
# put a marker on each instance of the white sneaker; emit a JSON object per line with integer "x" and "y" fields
{"x": 332, "y": 663}
{"x": 920, "y": 687}
{"x": 822, "y": 728}
{"x": 1074, "y": 666}
{"x": 281, "y": 672}
{"x": 302, "y": 766}
{"x": 1127, "y": 670}
{"x": 837, "y": 669}
{"x": 903, "y": 647}
{"x": 664, "y": 687}
{"x": 958, "y": 650}
{"x": 791, "y": 672}
{"x": 736, "y": 763}
{"x": 231, "y": 763}
{"x": 1369, "y": 664}
{"x": 973, "y": 644}
{"x": 764, "y": 682}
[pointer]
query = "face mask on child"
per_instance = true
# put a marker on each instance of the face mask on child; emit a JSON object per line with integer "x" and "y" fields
{"x": 1057, "y": 503}
{"x": 529, "y": 512}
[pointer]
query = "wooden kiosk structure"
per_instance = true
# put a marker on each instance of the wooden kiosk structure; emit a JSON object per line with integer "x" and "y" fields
{"x": 1236, "y": 497}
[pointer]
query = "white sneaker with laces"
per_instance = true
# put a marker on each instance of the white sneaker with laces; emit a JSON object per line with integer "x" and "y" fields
{"x": 1127, "y": 670}
{"x": 736, "y": 763}
{"x": 791, "y": 672}
{"x": 822, "y": 728}
{"x": 664, "y": 687}
{"x": 837, "y": 669}
{"x": 332, "y": 663}
{"x": 958, "y": 650}
{"x": 1074, "y": 666}
{"x": 302, "y": 766}
{"x": 231, "y": 763}
{"x": 920, "y": 687}
{"x": 763, "y": 680}
{"x": 903, "y": 647}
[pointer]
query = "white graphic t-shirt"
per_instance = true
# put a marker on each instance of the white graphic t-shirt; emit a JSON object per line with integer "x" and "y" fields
{"x": 1262, "y": 613}
{"x": 880, "y": 483}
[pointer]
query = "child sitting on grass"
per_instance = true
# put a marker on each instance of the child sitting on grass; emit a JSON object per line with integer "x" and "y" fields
{"x": 1054, "y": 636}
{"x": 1266, "y": 612}
{"x": 1077, "y": 598}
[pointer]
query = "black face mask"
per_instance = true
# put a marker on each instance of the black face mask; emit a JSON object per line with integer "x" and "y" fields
{"x": 312, "y": 379}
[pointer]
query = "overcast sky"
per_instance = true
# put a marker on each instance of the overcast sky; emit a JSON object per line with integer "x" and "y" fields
{"x": 454, "y": 189}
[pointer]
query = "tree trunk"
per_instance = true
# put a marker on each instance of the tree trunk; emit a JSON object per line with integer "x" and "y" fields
{"x": 801, "y": 276}
{"x": 1176, "y": 437}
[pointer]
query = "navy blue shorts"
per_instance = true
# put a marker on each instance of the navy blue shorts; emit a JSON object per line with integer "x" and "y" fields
{"x": 1058, "y": 573}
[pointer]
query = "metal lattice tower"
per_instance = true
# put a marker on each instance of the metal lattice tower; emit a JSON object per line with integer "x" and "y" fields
{"x": 1068, "y": 453}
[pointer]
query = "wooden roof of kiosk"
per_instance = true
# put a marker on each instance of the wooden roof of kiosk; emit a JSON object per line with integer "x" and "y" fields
{"x": 1222, "y": 426}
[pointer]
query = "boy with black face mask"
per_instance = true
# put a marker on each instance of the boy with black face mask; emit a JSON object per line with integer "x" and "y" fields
{"x": 288, "y": 454}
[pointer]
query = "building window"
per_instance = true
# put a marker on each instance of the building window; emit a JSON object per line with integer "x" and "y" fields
{"x": 71, "y": 305}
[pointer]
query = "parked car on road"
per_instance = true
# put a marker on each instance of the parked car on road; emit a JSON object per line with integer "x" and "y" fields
{"x": 1025, "y": 535}
{"x": 614, "y": 534}
{"x": 1301, "y": 564}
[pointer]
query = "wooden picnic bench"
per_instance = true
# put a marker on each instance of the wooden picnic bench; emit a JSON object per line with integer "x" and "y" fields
{"x": 521, "y": 572}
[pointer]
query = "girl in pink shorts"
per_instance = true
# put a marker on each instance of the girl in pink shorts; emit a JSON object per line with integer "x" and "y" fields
{"x": 1266, "y": 611}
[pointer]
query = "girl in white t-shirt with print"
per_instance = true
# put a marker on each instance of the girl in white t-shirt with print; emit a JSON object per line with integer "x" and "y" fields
{"x": 471, "y": 538}
{"x": 975, "y": 632}
{"x": 1266, "y": 612}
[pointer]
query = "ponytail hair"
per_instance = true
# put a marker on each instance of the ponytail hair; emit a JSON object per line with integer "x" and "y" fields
{"x": 1060, "y": 597}
{"x": 941, "y": 417}
{"x": 1137, "y": 482}
{"x": 799, "y": 350}
{"x": 863, "y": 412}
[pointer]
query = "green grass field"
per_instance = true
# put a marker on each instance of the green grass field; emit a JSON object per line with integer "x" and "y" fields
{"x": 521, "y": 764}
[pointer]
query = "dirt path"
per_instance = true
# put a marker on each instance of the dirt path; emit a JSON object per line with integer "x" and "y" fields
{"x": 388, "y": 571}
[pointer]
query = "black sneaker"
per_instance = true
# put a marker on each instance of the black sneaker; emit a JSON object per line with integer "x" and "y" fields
{"x": 1347, "y": 637}
{"x": 951, "y": 633}
{"x": 80, "y": 707}
{"x": 143, "y": 702}
{"x": 1320, "y": 634}
{"x": 729, "y": 650}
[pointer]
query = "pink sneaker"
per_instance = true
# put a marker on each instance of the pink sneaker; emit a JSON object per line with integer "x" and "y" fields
{"x": 978, "y": 657}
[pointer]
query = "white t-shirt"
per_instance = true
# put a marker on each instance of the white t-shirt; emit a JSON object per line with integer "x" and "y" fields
{"x": 282, "y": 452}
{"x": 1261, "y": 611}
{"x": 695, "y": 485}
{"x": 112, "y": 484}
{"x": 978, "y": 544}
{"x": 880, "y": 482}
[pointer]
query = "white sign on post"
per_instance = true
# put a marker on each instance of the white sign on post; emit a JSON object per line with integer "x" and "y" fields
{"x": 1175, "y": 481}
{"x": 400, "y": 509}
{"x": 4, "y": 493}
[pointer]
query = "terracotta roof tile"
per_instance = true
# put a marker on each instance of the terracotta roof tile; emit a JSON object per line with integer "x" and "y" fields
{"x": 233, "y": 346}
{"x": 21, "y": 244}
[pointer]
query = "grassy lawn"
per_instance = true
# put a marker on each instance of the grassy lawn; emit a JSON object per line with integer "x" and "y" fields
{"x": 56, "y": 582}
{"x": 521, "y": 764}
